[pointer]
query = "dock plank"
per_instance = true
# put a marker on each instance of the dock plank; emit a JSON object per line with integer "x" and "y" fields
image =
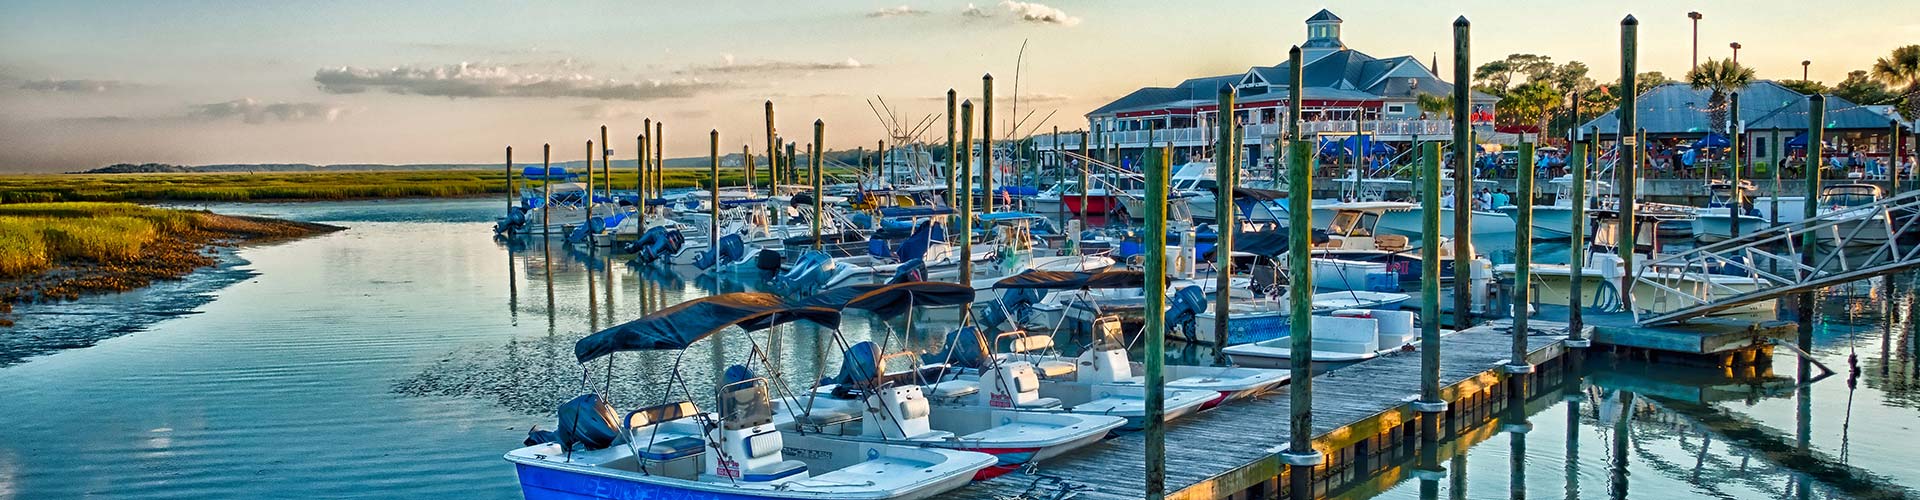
{"x": 1245, "y": 436}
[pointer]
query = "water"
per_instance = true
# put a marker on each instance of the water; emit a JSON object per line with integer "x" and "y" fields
{"x": 401, "y": 357}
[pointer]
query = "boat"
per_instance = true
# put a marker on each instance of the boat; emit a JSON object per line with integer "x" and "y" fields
{"x": 1555, "y": 221}
{"x": 1013, "y": 250}
{"x": 1860, "y": 225}
{"x": 676, "y": 450}
{"x": 870, "y": 402}
{"x": 977, "y": 377}
{"x": 1076, "y": 201}
{"x": 1342, "y": 339}
{"x": 1603, "y": 272}
{"x": 1715, "y": 222}
{"x": 555, "y": 207}
{"x": 926, "y": 248}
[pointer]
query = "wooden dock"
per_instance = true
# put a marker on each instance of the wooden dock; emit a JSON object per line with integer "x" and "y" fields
{"x": 1359, "y": 411}
{"x": 1709, "y": 337}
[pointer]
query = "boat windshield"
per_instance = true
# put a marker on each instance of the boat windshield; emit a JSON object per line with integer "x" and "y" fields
{"x": 1849, "y": 199}
{"x": 1353, "y": 223}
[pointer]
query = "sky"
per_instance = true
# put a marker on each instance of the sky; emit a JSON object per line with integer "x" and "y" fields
{"x": 89, "y": 83}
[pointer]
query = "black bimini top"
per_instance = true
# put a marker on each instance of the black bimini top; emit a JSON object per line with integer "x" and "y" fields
{"x": 683, "y": 324}
{"x": 892, "y": 300}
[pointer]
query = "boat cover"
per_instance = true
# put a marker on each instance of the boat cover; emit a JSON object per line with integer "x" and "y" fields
{"x": 892, "y": 300}
{"x": 1073, "y": 280}
{"x": 858, "y": 366}
{"x": 587, "y": 421}
{"x": 683, "y": 324}
{"x": 1248, "y": 193}
{"x": 1270, "y": 244}
{"x": 965, "y": 348}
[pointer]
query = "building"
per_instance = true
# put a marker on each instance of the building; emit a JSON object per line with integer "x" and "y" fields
{"x": 1344, "y": 91}
{"x": 1773, "y": 115}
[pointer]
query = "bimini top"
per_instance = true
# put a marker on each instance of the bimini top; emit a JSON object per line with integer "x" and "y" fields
{"x": 1073, "y": 280}
{"x": 1007, "y": 216}
{"x": 1269, "y": 244}
{"x": 919, "y": 211}
{"x": 892, "y": 300}
{"x": 683, "y": 324}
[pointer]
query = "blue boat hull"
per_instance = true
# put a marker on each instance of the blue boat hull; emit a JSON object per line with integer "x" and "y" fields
{"x": 538, "y": 483}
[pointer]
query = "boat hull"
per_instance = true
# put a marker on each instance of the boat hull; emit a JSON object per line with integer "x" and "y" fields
{"x": 1549, "y": 222}
{"x": 1718, "y": 227}
{"x": 1487, "y": 227}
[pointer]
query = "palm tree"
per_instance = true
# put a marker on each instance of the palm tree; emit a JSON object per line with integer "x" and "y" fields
{"x": 1902, "y": 68}
{"x": 1438, "y": 105}
{"x": 1719, "y": 76}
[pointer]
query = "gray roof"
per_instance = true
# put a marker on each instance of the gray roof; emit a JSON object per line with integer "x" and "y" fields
{"x": 1680, "y": 109}
{"x": 1345, "y": 74}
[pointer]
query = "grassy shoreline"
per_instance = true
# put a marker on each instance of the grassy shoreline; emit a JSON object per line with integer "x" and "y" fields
{"x": 53, "y": 252}
{"x": 300, "y": 186}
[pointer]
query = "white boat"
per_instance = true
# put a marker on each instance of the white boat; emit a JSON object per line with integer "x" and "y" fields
{"x": 1791, "y": 208}
{"x": 1861, "y": 225}
{"x": 1603, "y": 274}
{"x": 1106, "y": 363}
{"x": 1715, "y": 223}
{"x": 1339, "y": 340}
{"x": 1494, "y": 225}
{"x": 1555, "y": 221}
{"x": 736, "y": 451}
{"x": 983, "y": 379}
{"x": 1268, "y": 318}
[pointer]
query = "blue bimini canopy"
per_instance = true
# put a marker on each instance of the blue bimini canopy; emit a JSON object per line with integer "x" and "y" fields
{"x": 892, "y": 300}
{"x": 552, "y": 173}
{"x": 919, "y": 211}
{"x": 676, "y": 327}
{"x": 1072, "y": 280}
{"x": 1007, "y": 216}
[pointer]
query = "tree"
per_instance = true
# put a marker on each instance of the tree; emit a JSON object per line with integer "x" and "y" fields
{"x": 1437, "y": 105}
{"x": 1719, "y": 76}
{"x": 1807, "y": 87}
{"x": 1642, "y": 82}
{"x": 1529, "y": 104}
{"x": 1902, "y": 68}
{"x": 1861, "y": 89}
{"x": 1496, "y": 77}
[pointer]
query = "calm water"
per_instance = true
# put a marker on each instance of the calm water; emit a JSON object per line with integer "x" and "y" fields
{"x": 401, "y": 357}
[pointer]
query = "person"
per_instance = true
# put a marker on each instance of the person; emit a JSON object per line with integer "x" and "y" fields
{"x": 1499, "y": 199}
{"x": 1486, "y": 199}
{"x": 1446, "y": 200}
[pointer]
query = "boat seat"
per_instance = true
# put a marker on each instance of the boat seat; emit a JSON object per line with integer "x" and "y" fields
{"x": 952, "y": 389}
{"x": 1030, "y": 343}
{"x": 1390, "y": 242}
{"x": 1054, "y": 369}
{"x": 680, "y": 447}
{"x": 827, "y": 416}
{"x": 1029, "y": 384}
{"x": 659, "y": 413}
{"x": 1039, "y": 403}
{"x": 775, "y": 472}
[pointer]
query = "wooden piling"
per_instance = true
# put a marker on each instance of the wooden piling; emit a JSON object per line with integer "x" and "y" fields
{"x": 1628, "y": 162}
{"x": 646, "y": 162}
{"x": 1522, "y": 270}
{"x": 1300, "y": 456}
{"x": 1816, "y": 149}
{"x": 606, "y": 165}
{"x": 1893, "y": 155}
{"x": 1086, "y": 163}
{"x": 640, "y": 185}
{"x": 1155, "y": 331}
{"x": 589, "y": 199}
{"x": 953, "y": 157}
{"x": 1462, "y": 177}
{"x": 986, "y": 139}
{"x": 546, "y": 191}
{"x": 1576, "y": 248}
{"x": 966, "y": 194}
{"x": 713, "y": 199}
{"x": 1224, "y": 170}
{"x": 659, "y": 158}
{"x": 746, "y": 156}
{"x": 773, "y": 160}
{"x": 815, "y": 151}
{"x": 510, "y": 179}
{"x": 1430, "y": 405}
{"x": 1737, "y": 132}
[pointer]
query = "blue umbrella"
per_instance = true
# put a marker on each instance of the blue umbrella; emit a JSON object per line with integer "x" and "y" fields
{"x": 1712, "y": 141}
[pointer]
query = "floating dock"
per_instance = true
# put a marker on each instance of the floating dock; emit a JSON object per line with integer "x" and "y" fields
{"x": 1362, "y": 419}
{"x": 1724, "y": 341}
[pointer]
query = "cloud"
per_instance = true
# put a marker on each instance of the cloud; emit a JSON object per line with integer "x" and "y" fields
{"x": 256, "y": 112}
{"x": 904, "y": 10}
{"x": 75, "y": 86}
{"x": 729, "y": 66}
{"x": 1032, "y": 12}
{"x": 483, "y": 80}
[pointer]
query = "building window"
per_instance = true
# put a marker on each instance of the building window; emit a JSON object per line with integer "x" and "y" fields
{"x": 1760, "y": 144}
{"x": 1396, "y": 109}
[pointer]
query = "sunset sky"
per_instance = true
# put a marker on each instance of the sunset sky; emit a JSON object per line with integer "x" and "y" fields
{"x": 83, "y": 84}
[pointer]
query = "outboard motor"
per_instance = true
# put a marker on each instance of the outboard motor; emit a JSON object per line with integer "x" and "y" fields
{"x": 657, "y": 243}
{"x": 909, "y": 271}
{"x": 964, "y": 349}
{"x": 805, "y": 276}
{"x": 514, "y": 222}
{"x": 1015, "y": 307}
{"x": 769, "y": 259}
{"x": 1187, "y": 304}
{"x": 587, "y": 421}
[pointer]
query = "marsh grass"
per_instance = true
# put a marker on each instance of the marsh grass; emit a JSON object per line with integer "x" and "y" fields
{"x": 302, "y": 185}
{"x": 35, "y": 236}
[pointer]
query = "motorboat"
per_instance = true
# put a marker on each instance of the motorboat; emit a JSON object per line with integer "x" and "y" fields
{"x": 1725, "y": 206}
{"x": 1067, "y": 193}
{"x": 1604, "y": 273}
{"x": 976, "y": 377}
{"x": 1860, "y": 223}
{"x": 1341, "y": 339}
{"x": 737, "y": 450}
{"x": 871, "y": 402}
{"x": 1106, "y": 362}
{"x": 1555, "y": 221}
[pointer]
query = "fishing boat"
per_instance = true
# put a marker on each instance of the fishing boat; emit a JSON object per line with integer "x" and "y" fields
{"x": 1342, "y": 339}
{"x": 676, "y": 450}
{"x": 1714, "y": 223}
{"x": 555, "y": 207}
{"x": 871, "y": 402}
{"x": 1094, "y": 200}
{"x": 1603, "y": 272}
{"x": 1555, "y": 221}
{"x": 816, "y": 271}
{"x": 1015, "y": 249}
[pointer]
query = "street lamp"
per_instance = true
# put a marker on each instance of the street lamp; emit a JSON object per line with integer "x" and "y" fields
{"x": 1736, "y": 51}
{"x": 1695, "y": 16}
{"x": 1803, "y": 69}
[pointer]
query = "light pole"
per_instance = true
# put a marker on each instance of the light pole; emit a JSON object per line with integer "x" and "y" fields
{"x": 1736, "y": 51}
{"x": 1695, "y": 16}
{"x": 1803, "y": 69}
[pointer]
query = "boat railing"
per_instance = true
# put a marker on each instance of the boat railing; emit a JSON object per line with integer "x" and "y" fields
{"x": 1776, "y": 261}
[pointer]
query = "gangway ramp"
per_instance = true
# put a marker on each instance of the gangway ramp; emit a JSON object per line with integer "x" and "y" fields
{"x": 1851, "y": 244}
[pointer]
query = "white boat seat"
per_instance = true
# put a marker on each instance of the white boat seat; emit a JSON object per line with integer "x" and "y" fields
{"x": 1054, "y": 369}
{"x": 1039, "y": 403}
{"x": 680, "y": 447}
{"x": 1030, "y": 343}
{"x": 952, "y": 389}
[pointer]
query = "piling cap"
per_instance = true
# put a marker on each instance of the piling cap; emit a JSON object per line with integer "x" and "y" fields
{"x": 1294, "y": 52}
{"x": 1461, "y": 21}
{"x": 988, "y": 76}
{"x": 819, "y": 122}
{"x": 1226, "y": 89}
{"x": 1629, "y": 21}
